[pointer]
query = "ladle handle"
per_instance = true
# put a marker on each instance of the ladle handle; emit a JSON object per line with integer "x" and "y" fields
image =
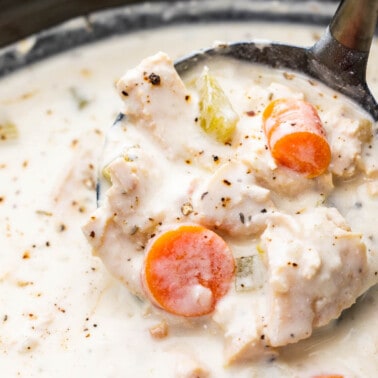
{"x": 354, "y": 24}
{"x": 344, "y": 48}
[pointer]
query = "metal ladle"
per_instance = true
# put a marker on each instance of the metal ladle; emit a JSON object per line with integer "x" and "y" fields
{"x": 338, "y": 59}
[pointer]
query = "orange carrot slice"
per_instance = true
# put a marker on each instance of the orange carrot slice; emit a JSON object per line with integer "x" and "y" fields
{"x": 296, "y": 137}
{"x": 187, "y": 269}
{"x": 328, "y": 376}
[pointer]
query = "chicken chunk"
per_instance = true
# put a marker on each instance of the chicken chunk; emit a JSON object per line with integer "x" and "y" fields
{"x": 157, "y": 100}
{"x": 132, "y": 211}
{"x": 231, "y": 201}
{"x": 347, "y": 137}
{"x": 316, "y": 269}
{"x": 241, "y": 316}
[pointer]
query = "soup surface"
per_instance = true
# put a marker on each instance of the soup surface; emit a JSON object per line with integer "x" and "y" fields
{"x": 63, "y": 313}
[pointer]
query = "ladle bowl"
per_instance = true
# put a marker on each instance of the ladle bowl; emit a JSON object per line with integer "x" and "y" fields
{"x": 339, "y": 59}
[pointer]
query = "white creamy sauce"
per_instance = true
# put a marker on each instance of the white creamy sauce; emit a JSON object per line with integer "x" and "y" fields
{"x": 62, "y": 313}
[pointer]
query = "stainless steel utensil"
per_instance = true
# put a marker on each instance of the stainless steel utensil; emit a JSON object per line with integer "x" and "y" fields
{"x": 338, "y": 59}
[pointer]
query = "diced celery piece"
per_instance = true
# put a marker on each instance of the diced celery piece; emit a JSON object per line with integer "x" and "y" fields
{"x": 106, "y": 174}
{"x": 217, "y": 117}
{"x": 80, "y": 100}
{"x": 8, "y": 131}
{"x": 260, "y": 249}
{"x": 250, "y": 273}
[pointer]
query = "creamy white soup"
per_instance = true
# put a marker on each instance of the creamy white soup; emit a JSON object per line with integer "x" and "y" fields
{"x": 65, "y": 312}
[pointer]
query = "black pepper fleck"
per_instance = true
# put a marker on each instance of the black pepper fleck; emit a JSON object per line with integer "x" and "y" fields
{"x": 204, "y": 194}
{"x": 154, "y": 79}
{"x": 358, "y": 205}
